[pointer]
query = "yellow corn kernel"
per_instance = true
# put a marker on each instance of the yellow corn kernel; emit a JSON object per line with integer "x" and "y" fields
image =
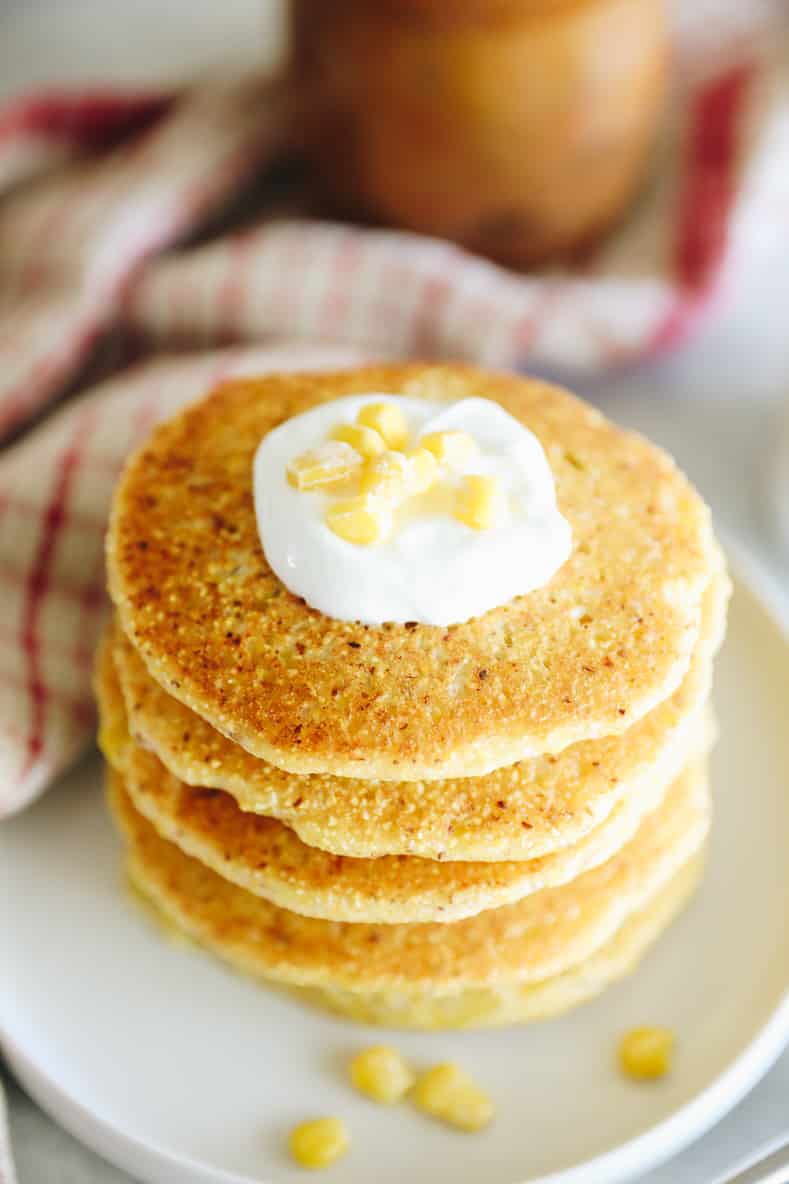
{"x": 479, "y": 502}
{"x": 366, "y": 441}
{"x": 451, "y": 449}
{"x": 645, "y": 1053}
{"x": 448, "y": 1093}
{"x": 364, "y": 520}
{"x": 318, "y": 1143}
{"x": 381, "y": 1073}
{"x": 327, "y": 465}
{"x": 422, "y": 470}
{"x": 388, "y": 420}
{"x": 386, "y": 476}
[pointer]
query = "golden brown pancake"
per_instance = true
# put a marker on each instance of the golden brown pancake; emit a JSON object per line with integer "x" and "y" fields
{"x": 269, "y": 860}
{"x": 527, "y": 811}
{"x": 539, "y": 937}
{"x": 598, "y": 647}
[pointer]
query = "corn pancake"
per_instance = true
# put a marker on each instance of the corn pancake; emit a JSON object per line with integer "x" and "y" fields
{"x": 269, "y": 860}
{"x": 532, "y": 809}
{"x": 520, "y": 1004}
{"x": 585, "y": 656}
{"x": 536, "y": 938}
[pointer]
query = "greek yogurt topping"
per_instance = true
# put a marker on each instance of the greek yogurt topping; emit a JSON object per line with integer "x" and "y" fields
{"x": 378, "y": 507}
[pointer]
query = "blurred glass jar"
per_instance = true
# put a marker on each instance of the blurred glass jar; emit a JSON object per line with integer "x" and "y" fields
{"x": 519, "y": 128}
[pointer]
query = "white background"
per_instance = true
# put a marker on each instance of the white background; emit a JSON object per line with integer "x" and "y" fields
{"x": 718, "y": 406}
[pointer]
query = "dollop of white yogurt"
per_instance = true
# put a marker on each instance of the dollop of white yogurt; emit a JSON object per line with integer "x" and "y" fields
{"x": 432, "y": 568}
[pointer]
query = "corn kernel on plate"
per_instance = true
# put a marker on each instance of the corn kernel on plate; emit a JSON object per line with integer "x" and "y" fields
{"x": 179, "y": 1071}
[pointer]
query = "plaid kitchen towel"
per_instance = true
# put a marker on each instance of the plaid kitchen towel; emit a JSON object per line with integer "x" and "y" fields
{"x": 96, "y": 185}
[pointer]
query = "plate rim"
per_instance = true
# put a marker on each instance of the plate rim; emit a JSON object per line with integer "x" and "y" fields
{"x": 645, "y": 1151}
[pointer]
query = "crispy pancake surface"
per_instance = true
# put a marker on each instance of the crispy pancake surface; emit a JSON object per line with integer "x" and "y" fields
{"x": 269, "y": 860}
{"x": 586, "y": 656}
{"x": 537, "y": 938}
{"x": 531, "y": 809}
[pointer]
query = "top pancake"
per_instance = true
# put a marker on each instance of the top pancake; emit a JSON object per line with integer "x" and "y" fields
{"x": 607, "y": 639}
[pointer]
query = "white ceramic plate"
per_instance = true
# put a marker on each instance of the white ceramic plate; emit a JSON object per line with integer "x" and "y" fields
{"x": 180, "y": 1072}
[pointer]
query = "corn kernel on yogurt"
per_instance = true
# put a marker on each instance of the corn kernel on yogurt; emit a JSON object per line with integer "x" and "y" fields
{"x": 433, "y": 513}
{"x": 329, "y": 465}
{"x": 388, "y": 420}
{"x": 366, "y": 441}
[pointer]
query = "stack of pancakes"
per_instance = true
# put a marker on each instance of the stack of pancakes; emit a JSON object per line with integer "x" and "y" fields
{"x": 414, "y": 825}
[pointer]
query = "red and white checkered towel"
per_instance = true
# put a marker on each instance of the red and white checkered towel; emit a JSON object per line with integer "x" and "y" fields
{"x": 96, "y": 186}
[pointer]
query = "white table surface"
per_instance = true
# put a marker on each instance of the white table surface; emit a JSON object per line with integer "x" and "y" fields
{"x": 718, "y": 406}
